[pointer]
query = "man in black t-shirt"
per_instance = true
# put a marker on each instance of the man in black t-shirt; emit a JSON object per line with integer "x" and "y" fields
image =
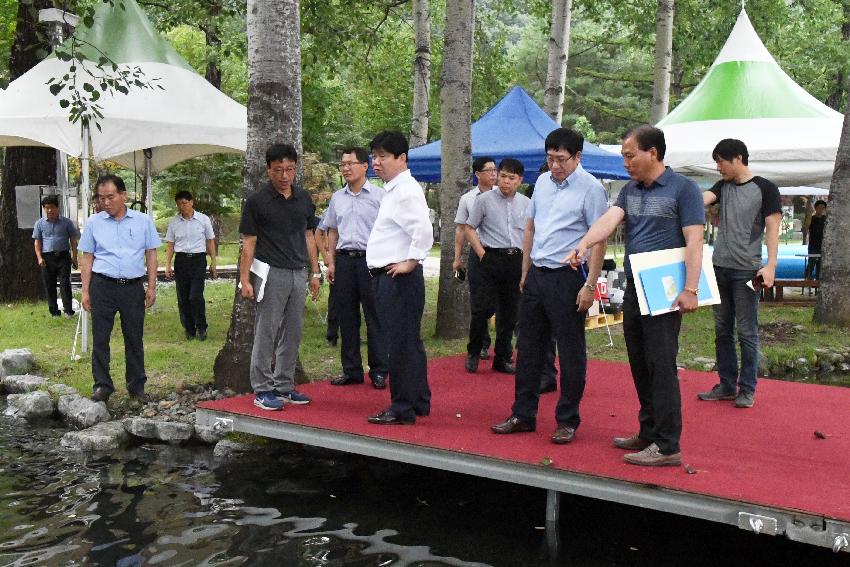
{"x": 277, "y": 246}
{"x": 816, "y": 226}
{"x": 749, "y": 210}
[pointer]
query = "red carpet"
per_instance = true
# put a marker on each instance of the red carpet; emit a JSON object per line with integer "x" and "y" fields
{"x": 767, "y": 455}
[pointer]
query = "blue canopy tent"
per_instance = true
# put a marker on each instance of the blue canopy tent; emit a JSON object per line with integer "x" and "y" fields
{"x": 515, "y": 127}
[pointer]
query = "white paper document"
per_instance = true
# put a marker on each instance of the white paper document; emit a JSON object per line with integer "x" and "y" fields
{"x": 261, "y": 270}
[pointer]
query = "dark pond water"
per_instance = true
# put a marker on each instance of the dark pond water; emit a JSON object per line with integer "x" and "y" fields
{"x": 293, "y": 506}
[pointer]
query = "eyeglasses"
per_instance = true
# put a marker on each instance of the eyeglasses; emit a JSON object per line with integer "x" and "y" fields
{"x": 282, "y": 170}
{"x": 559, "y": 160}
{"x": 488, "y": 170}
{"x": 346, "y": 164}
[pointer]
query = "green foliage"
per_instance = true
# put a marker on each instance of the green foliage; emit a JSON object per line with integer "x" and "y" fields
{"x": 215, "y": 181}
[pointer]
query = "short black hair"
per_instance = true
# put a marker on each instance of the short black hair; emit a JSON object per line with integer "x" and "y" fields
{"x": 512, "y": 165}
{"x": 564, "y": 139}
{"x": 360, "y": 153}
{"x": 820, "y": 202}
{"x": 648, "y": 137}
{"x": 729, "y": 149}
{"x": 50, "y": 200}
{"x": 277, "y": 152}
{"x": 182, "y": 195}
{"x": 391, "y": 141}
{"x": 479, "y": 163}
{"x": 110, "y": 178}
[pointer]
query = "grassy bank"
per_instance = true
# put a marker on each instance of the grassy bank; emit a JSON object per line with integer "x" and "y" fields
{"x": 170, "y": 359}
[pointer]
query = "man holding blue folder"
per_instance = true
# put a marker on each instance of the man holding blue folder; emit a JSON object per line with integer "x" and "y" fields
{"x": 662, "y": 210}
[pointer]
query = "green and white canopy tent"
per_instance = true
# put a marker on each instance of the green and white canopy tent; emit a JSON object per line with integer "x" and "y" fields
{"x": 791, "y": 136}
{"x": 187, "y": 118}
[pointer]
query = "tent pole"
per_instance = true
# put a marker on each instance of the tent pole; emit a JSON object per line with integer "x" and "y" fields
{"x": 149, "y": 181}
{"x": 84, "y": 193}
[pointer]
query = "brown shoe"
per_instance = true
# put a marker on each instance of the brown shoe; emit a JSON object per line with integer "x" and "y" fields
{"x": 101, "y": 394}
{"x": 512, "y": 425}
{"x": 633, "y": 443}
{"x": 650, "y": 457}
{"x": 563, "y": 434}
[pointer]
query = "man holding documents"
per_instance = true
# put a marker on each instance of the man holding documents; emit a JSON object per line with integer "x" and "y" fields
{"x": 748, "y": 204}
{"x": 662, "y": 210}
{"x": 277, "y": 246}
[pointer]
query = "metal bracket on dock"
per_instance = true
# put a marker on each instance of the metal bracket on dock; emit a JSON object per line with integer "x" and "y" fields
{"x": 757, "y": 524}
{"x": 842, "y": 541}
{"x": 223, "y": 425}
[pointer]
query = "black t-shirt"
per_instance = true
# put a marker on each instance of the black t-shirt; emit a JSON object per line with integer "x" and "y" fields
{"x": 816, "y": 225}
{"x": 279, "y": 225}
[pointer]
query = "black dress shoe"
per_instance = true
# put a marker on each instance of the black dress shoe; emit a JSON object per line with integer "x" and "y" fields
{"x": 512, "y": 425}
{"x": 101, "y": 394}
{"x": 332, "y": 342}
{"x": 503, "y": 366}
{"x": 379, "y": 381}
{"x": 190, "y": 336}
{"x": 471, "y": 364}
{"x": 345, "y": 380}
{"x": 485, "y": 354}
{"x": 563, "y": 434}
{"x": 387, "y": 417}
{"x": 202, "y": 335}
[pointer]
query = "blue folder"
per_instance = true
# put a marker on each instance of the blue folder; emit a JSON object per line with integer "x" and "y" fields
{"x": 662, "y": 284}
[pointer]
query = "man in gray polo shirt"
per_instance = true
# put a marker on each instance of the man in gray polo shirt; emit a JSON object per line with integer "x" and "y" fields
{"x": 485, "y": 172}
{"x": 52, "y": 236}
{"x": 748, "y": 205}
{"x": 499, "y": 218}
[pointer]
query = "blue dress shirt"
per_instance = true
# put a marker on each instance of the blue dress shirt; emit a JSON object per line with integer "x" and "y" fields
{"x": 562, "y": 214}
{"x": 119, "y": 246}
{"x": 55, "y": 235}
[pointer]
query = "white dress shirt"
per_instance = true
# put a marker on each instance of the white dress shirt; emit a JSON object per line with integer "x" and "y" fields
{"x": 402, "y": 230}
{"x": 190, "y": 235}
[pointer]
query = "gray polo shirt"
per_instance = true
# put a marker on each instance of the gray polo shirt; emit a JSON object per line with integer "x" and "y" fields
{"x": 466, "y": 202}
{"x": 743, "y": 208}
{"x": 500, "y": 221}
{"x": 190, "y": 235}
{"x": 55, "y": 235}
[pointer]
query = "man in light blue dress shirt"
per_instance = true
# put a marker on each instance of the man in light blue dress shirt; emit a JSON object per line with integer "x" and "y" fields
{"x": 349, "y": 220}
{"x": 566, "y": 202}
{"x": 120, "y": 253}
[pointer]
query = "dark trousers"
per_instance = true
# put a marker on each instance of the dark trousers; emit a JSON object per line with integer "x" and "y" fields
{"x": 473, "y": 276}
{"x": 57, "y": 267}
{"x": 189, "y": 276}
{"x": 652, "y": 344}
{"x": 549, "y": 376}
{"x": 107, "y": 299}
{"x": 548, "y": 308}
{"x": 499, "y": 287}
{"x": 353, "y": 288}
{"x": 400, "y": 302}
{"x": 332, "y": 332}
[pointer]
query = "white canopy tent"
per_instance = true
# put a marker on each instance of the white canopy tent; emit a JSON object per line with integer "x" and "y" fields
{"x": 804, "y": 191}
{"x": 188, "y": 117}
{"x": 792, "y": 137}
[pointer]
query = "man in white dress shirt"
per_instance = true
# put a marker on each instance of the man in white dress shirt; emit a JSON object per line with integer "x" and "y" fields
{"x": 189, "y": 238}
{"x": 398, "y": 244}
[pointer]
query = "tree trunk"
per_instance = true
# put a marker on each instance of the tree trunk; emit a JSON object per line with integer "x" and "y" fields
{"x": 663, "y": 60}
{"x": 456, "y": 112}
{"x": 19, "y": 273}
{"x": 421, "y": 74}
{"x": 834, "y": 99}
{"x": 833, "y": 305}
{"x": 559, "y": 50}
{"x": 274, "y": 115}
{"x": 212, "y": 73}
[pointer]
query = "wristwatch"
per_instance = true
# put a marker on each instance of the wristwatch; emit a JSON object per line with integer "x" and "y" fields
{"x": 694, "y": 290}
{"x": 317, "y": 275}
{"x": 591, "y": 287}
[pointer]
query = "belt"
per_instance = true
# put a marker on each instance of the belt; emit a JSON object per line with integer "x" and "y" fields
{"x": 120, "y": 281}
{"x": 378, "y": 271}
{"x": 57, "y": 252}
{"x": 506, "y": 251}
{"x": 351, "y": 253}
{"x": 191, "y": 254}
{"x": 548, "y": 269}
